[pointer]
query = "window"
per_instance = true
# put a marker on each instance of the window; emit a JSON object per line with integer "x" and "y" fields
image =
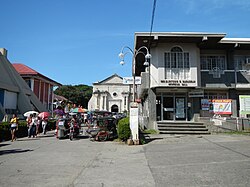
{"x": 240, "y": 62}
{"x": 28, "y": 81}
{"x": 177, "y": 64}
{"x": 211, "y": 62}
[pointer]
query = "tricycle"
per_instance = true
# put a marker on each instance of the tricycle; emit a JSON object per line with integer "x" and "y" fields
{"x": 62, "y": 127}
{"x": 103, "y": 128}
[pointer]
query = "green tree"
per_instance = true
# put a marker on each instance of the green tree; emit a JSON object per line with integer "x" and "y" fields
{"x": 79, "y": 94}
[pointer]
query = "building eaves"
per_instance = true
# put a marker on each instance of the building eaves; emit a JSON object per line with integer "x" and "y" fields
{"x": 108, "y": 78}
{"x": 181, "y": 34}
{"x": 235, "y": 40}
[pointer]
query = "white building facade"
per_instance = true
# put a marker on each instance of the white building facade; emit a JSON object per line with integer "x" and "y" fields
{"x": 110, "y": 95}
{"x": 188, "y": 69}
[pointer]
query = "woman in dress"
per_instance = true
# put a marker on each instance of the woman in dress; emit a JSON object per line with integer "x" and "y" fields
{"x": 13, "y": 127}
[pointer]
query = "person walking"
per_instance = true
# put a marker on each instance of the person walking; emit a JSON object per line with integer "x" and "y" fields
{"x": 13, "y": 127}
{"x": 44, "y": 124}
{"x": 38, "y": 124}
{"x": 29, "y": 125}
{"x": 34, "y": 125}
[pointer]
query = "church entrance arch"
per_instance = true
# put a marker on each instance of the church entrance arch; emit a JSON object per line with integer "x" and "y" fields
{"x": 114, "y": 108}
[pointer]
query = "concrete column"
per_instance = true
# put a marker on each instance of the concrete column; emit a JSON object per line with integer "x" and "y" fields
{"x": 105, "y": 102}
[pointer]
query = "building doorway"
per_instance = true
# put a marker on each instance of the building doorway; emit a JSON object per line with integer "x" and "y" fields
{"x": 171, "y": 107}
{"x": 114, "y": 108}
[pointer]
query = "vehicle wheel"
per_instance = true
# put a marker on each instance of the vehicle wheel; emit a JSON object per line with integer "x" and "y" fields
{"x": 71, "y": 136}
{"x": 102, "y": 138}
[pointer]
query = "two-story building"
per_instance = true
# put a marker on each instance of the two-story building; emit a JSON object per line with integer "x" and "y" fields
{"x": 41, "y": 85}
{"x": 190, "y": 73}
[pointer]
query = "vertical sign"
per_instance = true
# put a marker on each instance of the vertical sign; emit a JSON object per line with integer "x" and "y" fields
{"x": 134, "y": 122}
{"x": 244, "y": 104}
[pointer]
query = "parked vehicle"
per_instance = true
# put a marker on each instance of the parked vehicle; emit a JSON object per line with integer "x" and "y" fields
{"x": 103, "y": 129}
{"x": 63, "y": 128}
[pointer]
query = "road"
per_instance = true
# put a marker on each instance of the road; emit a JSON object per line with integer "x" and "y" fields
{"x": 212, "y": 160}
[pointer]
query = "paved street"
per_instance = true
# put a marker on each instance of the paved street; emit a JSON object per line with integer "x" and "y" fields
{"x": 213, "y": 160}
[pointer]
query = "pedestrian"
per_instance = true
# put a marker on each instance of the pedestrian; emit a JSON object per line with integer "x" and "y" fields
{"x": 67, "y": 109}
{"x": 13, "y": 127}
{"x": 44, "y": 124}
{"x": 38, "y": 125}
{"x": 34, "y": 125}
{"x": 29, "y": 125}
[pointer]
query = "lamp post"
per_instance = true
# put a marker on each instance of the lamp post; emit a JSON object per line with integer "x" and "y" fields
{"x": 147, "y": 56}
{"x": 134, "y": 120}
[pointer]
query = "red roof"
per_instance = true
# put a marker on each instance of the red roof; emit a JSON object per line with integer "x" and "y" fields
{"x": 24, "y": 70}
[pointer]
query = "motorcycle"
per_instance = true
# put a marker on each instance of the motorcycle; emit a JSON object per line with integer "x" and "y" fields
{"x": 62, "y": 128}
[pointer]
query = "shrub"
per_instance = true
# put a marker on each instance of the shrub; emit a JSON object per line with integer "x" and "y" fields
{"x": 123, "y": 130}
{"x": 22, "y": 131}
{"x": 5, "y": 133}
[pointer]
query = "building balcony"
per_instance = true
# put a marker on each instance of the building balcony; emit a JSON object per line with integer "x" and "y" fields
{"x": 226, "y": 79}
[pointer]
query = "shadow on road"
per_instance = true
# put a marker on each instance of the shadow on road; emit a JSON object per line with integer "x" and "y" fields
{"x": 146, "y": 138}
{"x": 4, "y": 144}
{"x": 28, "y": 139}
{"x": 45, "y": 135}
{"x": 14, "y": 151}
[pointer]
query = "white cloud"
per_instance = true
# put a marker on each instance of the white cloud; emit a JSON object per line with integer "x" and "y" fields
{"x": 208, "y": 6}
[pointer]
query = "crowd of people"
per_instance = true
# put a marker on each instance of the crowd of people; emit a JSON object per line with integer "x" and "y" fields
{"x": 34, "y": 123}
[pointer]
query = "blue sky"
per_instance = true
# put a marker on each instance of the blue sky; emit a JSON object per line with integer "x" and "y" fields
{"x": 78, "y": 41}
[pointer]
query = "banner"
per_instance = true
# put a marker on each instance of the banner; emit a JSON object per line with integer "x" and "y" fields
{"x": 244, "y": 104}
{"x": 222, "y": 106}
{"x": 205, "y": 104}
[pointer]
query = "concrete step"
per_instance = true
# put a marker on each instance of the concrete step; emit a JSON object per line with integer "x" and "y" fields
{"x": 182, "y": 129}
{"x": 181, "y": 126}
{"x": 184, "y": 132}
{"x": 179, "y": 122}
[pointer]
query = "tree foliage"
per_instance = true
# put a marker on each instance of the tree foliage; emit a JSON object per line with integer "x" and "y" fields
{"x": 79, "y": 94}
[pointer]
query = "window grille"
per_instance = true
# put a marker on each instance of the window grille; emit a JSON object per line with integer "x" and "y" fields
{"x": 210, "y": 62}
{"x": 177, "y": 65}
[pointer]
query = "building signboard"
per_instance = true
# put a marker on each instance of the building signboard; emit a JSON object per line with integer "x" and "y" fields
{"x": 222, "y": 106}
{"x": 196, "y": 93}
{"x": 205, "y": 104}
{"x": 129, "y": 80}
{"x": 244, "y": 104}
{"x": 179, "y": 83}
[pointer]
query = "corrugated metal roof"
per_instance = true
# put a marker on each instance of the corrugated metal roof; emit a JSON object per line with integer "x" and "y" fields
{"x": 24, "y": 70}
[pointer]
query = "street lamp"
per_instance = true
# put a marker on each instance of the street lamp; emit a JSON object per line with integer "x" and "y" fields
{"x": 134, "y": 53}
{"x": 133, "y": 112}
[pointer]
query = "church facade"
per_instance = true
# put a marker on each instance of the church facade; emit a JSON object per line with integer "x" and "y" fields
{"x": 110, "y": 95}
